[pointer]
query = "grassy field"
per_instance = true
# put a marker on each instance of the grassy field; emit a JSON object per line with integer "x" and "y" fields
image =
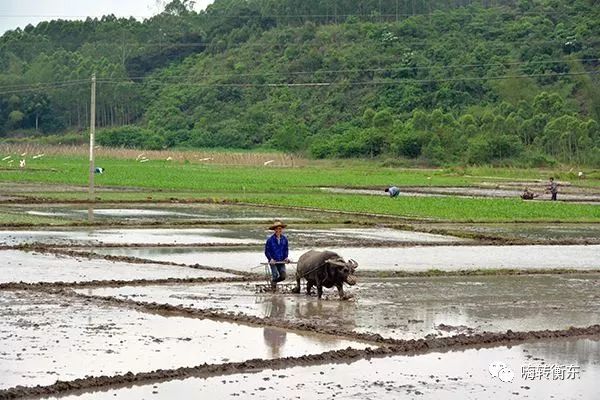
{"x": 297, "y": 186}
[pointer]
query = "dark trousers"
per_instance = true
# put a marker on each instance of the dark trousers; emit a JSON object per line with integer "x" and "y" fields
{"x": 278, "y": 272}
{"x": 553, "y": 196}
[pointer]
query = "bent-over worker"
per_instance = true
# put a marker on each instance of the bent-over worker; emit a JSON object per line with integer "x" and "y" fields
{"x": 393, "y": 191}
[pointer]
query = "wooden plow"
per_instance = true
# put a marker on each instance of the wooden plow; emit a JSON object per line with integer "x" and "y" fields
{"x": 282, "y": 287}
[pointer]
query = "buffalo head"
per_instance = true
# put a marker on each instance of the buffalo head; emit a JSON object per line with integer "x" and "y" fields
{"x": 345, "y": 269}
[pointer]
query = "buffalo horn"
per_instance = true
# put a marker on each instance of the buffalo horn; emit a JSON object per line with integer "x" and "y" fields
{"x": 337, "y": 263}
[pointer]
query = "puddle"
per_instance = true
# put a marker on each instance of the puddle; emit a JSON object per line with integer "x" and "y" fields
{"x": 416, "y": 258}
{"x": 251, "y": 235}
{"x": 20, "y": 266}
{"x": 47, "y": 338}
{"x": 404, "y": 308}
{"x": 458, "y": 374}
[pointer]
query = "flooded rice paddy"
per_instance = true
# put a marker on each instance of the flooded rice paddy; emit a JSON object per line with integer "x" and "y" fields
{"x": 232, "y": 341}
{"x": 31, "y": 267}
{"x": 143, "y": 212}
{"x": 403, "y": 308}
{"x": 541, "y": 232}
{"x": 456, "y": 374}
{"x": 46, "y": 337}
{"x": 415, "y": 258}
{"x": 241, "y": 235}
{"x": 570, "y": 194}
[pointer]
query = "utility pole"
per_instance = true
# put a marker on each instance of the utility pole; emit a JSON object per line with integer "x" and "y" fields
{"x": 92, "y": 134}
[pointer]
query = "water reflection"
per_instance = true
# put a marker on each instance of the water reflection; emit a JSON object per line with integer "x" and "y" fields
{"x": 274, "y": 307}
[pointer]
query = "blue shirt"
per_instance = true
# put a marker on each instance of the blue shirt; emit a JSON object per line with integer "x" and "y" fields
{"x": 276, "y": 249}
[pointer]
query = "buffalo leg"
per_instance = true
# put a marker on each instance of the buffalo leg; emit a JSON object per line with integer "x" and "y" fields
{"x": 340, "y": 288}
{"x": 309, "y": 285}
{"x": 297, "y": 288}
{"x": 319, "y": 290}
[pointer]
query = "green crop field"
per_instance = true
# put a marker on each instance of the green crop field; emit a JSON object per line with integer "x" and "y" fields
{"x": 298, "y": 187}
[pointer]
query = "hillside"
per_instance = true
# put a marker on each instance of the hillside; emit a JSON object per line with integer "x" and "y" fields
{"x": 441, "y": 82}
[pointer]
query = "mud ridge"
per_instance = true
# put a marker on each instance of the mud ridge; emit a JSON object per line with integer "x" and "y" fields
{"x": 473, "y": 272}
{"x": 336, "y": 356}
{"x": 52, "y": 286}
{"x": 49, "y": 249}
{"x": 154, "y": 223}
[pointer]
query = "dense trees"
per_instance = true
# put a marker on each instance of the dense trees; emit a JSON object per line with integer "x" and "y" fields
{"x": 442, "y": 81}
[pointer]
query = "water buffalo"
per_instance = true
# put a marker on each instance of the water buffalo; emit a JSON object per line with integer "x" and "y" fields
{"x": 324, "y": 268}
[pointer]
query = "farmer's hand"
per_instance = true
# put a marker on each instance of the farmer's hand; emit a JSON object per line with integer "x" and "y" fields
{"x": 272, "y": 261}
{"x": 287, "y": 260}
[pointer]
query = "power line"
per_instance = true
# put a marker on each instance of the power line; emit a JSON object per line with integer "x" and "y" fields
{"x": 37, "y": 84}
{"x": 150, "y": 80}
{"x": 45, "y": 87}
{"x": 166, "y": 44}
{"x": 61, "y": 84}
{"x": 374, "y": 14}
{"x": 411, "y": 43}
{"x": 356, "y": 83}
{"x": 358, "y": 70}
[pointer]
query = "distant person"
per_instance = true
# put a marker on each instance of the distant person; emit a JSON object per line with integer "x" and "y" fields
{"x": 22, "y": 164}
{"x": 276, "y": 251}
{"x": 528, "y": 195}
{"x": 99, "y": 170}
{"x": 393, "y": 191}
{"x": 552, "y": 188}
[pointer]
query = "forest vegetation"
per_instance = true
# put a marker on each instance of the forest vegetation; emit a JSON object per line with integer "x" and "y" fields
{"x": 437, "y": 82}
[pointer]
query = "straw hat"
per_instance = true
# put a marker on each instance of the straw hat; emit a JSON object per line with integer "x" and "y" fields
{"x": 277, "y": 224}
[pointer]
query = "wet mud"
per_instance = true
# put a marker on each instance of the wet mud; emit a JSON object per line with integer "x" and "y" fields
{"x": 494, "y": 190}
{"x": 522, "y": 233}
{"x": 416, "y": 258}
{"x": 235, "y": 235}
{"x": 33, "y": 267}
{"x": 401, "y": 308}
{"x": 89, "y": 255}
{"x": 463, "y": 374}
{"x": 46, "y": 336}
{"x": 113, "y": 237}
{"x": 335, "y": 356}
{"x": 187, "y": 311}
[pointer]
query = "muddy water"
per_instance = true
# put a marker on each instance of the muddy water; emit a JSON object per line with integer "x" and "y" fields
{"x": 458, "y": 374}
{"x": 201, "y": 212}
{"x": 20, "y": 266}
{"x": 533, "y": 231}
{"x": 394, "y": 258}
{"x": 405, "y": 308}
{"x": 128, "y": 236}
{"x": 47, "y": 337}
{"x": 227, "y": 235}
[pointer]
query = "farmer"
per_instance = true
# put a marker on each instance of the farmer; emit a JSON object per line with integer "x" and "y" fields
{"x": 99, "y": 170}
{"x": 276, "y": 251}
{"x": 552, "y": 188}
{"x": 393, "y": 191}
{"x": 528, "y": 194}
